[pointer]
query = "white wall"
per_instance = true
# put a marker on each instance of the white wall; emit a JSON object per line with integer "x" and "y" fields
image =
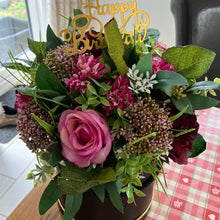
{"x": 161, "y": 18}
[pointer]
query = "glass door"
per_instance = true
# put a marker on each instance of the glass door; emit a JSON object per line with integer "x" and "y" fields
{"x": 14, "y": 29}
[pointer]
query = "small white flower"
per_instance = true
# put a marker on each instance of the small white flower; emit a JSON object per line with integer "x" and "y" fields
{"x": 139, "y": 83}
{"x": 133, "y": 73}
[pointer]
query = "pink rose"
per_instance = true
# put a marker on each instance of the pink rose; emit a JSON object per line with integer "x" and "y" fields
{"x": 85, "y": 137}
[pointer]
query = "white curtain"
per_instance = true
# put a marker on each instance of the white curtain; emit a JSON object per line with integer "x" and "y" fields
{"x": 44, "y": 12}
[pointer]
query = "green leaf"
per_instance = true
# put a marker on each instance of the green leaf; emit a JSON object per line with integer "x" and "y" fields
{"x": 38, "y": 48}
{"x": 184, "y": 132}
{"x": 190, "y": 61}
{"x": 182, "y": 103}
{"x": 72, "y": 206}
{"x": 75, "y": 180}
{"x": 81, "y": 100}
{"x": 114, "y": 196}
{"x": 120, "y": 113}
{"x": 120, "y": 167}
{"x": 80, "y": 22}
{"x": 50, "y": 195}
{"x": 92, "y": 100}
{"x": 152, "y": 33}
{"x": 130, "y": 194}
{"x": 203, "y": 85}
{"x": 136, "y": 182}
{"x": 46, "y": 80}
{"x": 154, "y": 134}
{"x": 104, "y": 101}
{"x": 124, "y": 181}
{"x": 117, "y": 123}
{"x": 92, "y": 89}
{"x": 49, "y": 128}
{"x": 16, "y": 66}
{"x": 168, "y": 78}
{"x": 145, "y": 64}
{"x": 199, "y": 145}
{"x": 48, "y": 93}
{"x": 115, "y": 46}
{"x": 53, "y": 154}
{"x": 168, "y": 90}
{"x": 100, "y": 192}
{"x": 52, "y": 40}
{"x": 173, "y": 118}
{"x": 61, "y": 99}
{"x": 139, "y": 192}
{"x": 201, "y": 102}
{"x": 104, "y": 175}
{"x": 84, "y": 107}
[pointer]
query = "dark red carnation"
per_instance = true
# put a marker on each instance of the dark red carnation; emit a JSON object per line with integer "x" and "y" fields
{"x": 183, "y": 144}
{"x": 93, "y": 37}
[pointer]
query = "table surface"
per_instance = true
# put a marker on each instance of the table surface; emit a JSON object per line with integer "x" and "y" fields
{"x": 193, "y": 190}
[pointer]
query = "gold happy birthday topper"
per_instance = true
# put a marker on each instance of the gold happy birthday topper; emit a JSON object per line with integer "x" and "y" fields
{"x": 78, "y": 35}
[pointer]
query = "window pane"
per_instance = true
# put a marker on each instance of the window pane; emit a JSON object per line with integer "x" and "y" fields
{"x": 14, "y": 29}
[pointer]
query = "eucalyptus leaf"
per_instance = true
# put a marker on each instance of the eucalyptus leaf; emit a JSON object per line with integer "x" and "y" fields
{"x": 199, "y": 145}
{"x": 114, "y": 196}
{"x": 75, "y": 180}
{"x": 82, "y": 21}
{"x": 145, "y": 64}
{"x": 168, "y": 78}
{"x": 190, "y": 61}
{"x": 100, "y": 192}
{"x": 50, "y": 195}
{"x": 53, "y": 154}
{"x": 182, "y": 103}
{"x": 72, "y": 206}
{"x": 203, "y": 85}
{"x": 201, "y": 102}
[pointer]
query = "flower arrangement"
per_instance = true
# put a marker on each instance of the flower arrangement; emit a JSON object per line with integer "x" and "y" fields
{"x": 107, "y": 116}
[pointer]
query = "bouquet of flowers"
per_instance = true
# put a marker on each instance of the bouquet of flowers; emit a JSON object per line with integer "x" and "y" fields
{"x": 106, "y": 116}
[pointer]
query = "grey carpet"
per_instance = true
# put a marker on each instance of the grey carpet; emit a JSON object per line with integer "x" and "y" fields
{"x": 8, "y": 132}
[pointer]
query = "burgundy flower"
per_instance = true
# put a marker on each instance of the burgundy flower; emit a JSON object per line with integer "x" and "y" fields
{"x": 93, "y": 37}
{"x": 119, "y": 94}
{"x": 161, "y": 65}
{"x": 86, "y": 66}
{"x": 183, "y": 144}
{"x": 21, "y": 101}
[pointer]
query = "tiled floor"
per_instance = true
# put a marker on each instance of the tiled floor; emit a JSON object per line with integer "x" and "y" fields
{"x": 16, "y": 161}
